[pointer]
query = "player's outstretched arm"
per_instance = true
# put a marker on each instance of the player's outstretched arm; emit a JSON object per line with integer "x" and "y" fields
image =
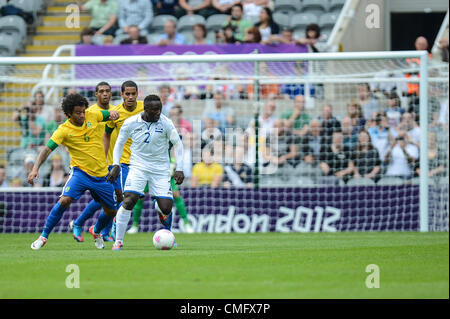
{"x": 43, "y": 155}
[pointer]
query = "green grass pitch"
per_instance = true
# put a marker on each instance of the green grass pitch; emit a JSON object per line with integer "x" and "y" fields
{"x": 261, "y": 265}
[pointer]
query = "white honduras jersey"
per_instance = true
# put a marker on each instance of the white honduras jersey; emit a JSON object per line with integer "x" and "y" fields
{"x": 150, "y": 143}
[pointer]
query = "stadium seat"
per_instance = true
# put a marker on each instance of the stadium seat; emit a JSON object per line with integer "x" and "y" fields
{"x": 15, "y": 26}
{"x": 299, "y": 21}
{"x": 286, "y": 5}
{"x": 120, "y": 37}
{"x": 390, "y": 180}
{"x": 305, "y": 181}
{"x": 327, "y": 20}
{"x": 317, "y": 7}
{"x": 211, "y": 36}
{"x": 157, "y": 25}
{"x": 14, "y": 171}
{"x": 185, "y": 23}
{"x": 151, "y": 38}
{"x": 26, "y": 5}
{"x": 329, "y": 181}
{"x": 360, "y": 182}
{"x": 281, "y": 18}
{"x": 188, "y": 36}
{"x": 8, "y": 44}
{"x": 305, "y": 169}
{"x": 215, "y": 22}
{"x": 336, "y": 5}
{"x": 17, "y": 155}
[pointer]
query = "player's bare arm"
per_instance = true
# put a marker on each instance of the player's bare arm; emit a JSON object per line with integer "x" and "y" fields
{"x": 43, "y": 155}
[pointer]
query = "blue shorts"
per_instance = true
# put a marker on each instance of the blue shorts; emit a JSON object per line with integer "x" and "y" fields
{"x": 80, "y": 181}
{"x": 119, "y": 183}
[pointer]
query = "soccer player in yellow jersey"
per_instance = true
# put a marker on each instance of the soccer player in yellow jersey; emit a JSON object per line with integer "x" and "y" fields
{"x": 83, "y": 137}
{"x": 103, "y": 94}
{"x": 129, "y": 107}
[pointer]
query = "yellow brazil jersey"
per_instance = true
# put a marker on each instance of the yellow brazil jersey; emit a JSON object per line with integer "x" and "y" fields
{"x": 96, "y": 107}
{"x": 113, "y": 127}
{"x": 85, "y": 143}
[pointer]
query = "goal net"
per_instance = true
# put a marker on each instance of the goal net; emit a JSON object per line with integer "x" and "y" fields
{"x": 273, "y": 142}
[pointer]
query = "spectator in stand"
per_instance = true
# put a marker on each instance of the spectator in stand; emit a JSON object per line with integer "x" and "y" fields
{"x": 297, "y": 119}
{"x": 330, "y": 124}
{"x": 366, "y": 159}
{"x": 57, "y": 176}
{"x": 411, "y": 128}
{"x": 135, "y": 13}
{"x": 134, "y": 36}
{"x": 32, "y": 126}
{"x": 181, "y": 124}
{"x": 108, "y": 40}
{"x": 42, "y": 109}
{"x": 266, "y": 25}
{"x": 226, "y": 34}
{"x": 437, "y": 158}
{"x": 266, "y": 119}
{"x": 199, "y": 31}
{"x": 433, "y": 106}
{"x": 443, "y": 46}
{"x": 312, "y": 143}
{"x": 286, "y": 37}
{"x": 238, "y": 174}
{"x": 103, "y": 15}
{"x": 252, "y": 35}
{"x": 3, "y": 182}
{"x": 170, "y": 7}
{"x": 394, "y": 111}
{"x": 281, "y": 146}
{"x": 401, "y": 157}
{"x": 253, "y": 8}
{"x": 368, "y": 104}
{"x": 170, "y": 35}
{"x": 313, "y": 39}
{"x": 236, "y": 19}
{"x": 349, "y": 136}
{"x": 224, "y": 6}
{"x": 200, "y": 7}
{"x": 86, "y": 36}
{"x": 355, "y": 114}
{"x": 165, "y": 96}
{"x": 52, "y": 125}
{"x": 380, "y": 135}
{"x": 224, "y": 115}
{"x": 22, "y": 179}
{"x": 207, "y": 172}
{"x": 336, "y": 159}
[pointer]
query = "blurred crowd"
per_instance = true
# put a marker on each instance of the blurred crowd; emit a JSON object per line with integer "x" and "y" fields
{"x": 375, "y": 137}
{"x": 247, "y": 21}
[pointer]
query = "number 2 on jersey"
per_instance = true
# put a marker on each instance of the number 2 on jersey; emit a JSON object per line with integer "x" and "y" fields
{"x": 147, "y": 134}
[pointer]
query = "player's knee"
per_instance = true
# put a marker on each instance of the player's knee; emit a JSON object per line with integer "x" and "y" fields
{"x": 119, "y": 195}
{"x": 129, "y": 202}
{"x": 166, "y": 207}
{"x": 65, "y": 201}
{"x": 110, "y": 211}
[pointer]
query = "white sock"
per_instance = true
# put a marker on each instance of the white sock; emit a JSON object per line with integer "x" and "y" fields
{"x": 122, "y": 218}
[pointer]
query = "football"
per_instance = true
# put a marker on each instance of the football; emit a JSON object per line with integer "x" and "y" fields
{"x": 163, "y": 239}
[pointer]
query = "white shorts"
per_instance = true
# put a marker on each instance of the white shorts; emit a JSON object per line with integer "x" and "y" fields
{"x": 158, "y": 184}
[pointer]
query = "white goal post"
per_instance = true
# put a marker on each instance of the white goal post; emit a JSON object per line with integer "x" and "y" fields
{"x": 344, "y": 68}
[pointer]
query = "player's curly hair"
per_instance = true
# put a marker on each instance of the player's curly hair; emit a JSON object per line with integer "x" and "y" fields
{"x": 72, "y": 100}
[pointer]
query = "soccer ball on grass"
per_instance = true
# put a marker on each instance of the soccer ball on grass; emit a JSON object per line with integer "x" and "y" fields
{"x": 163, "y": 239}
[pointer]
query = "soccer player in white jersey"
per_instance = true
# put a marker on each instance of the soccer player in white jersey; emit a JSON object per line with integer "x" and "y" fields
{"x": 150, "y": 132}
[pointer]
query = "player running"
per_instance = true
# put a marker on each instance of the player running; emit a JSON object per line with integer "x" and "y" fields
{"x": 103, "y": 94}
{"x": 177, "y": 199}
{"x": 129, "y": 107}
{"x": 82, "y": 135}
{"x": 150, "y": 132}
